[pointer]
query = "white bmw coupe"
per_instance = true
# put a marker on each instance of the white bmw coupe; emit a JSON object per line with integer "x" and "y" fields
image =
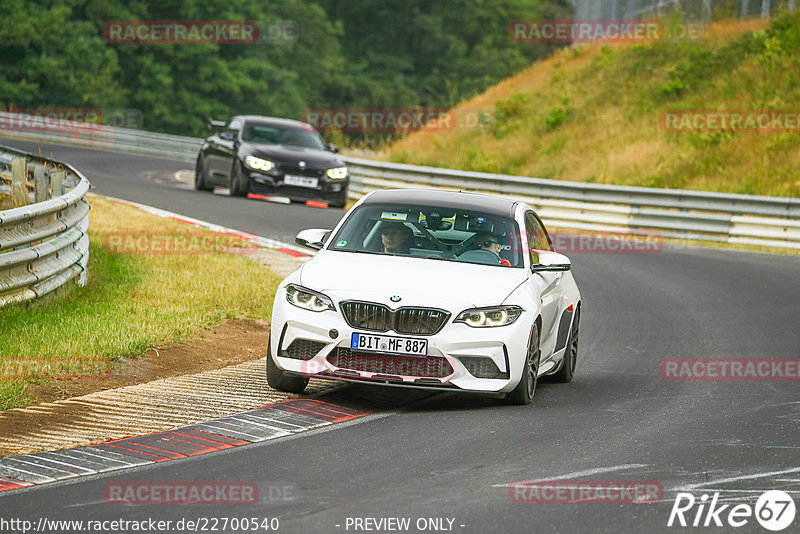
{"x": 428, "y": 289}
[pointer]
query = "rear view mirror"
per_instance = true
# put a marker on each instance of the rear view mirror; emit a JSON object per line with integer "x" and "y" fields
{"x": 313, "y": 238}
{"x": 333, "y": 148}
{"x": 552, "y": 262}
{"x": 213, "y": 125}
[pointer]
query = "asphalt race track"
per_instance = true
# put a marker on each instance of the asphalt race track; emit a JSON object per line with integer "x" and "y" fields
{"x": 149, "y": 180}
{"x": 453, "y": 457}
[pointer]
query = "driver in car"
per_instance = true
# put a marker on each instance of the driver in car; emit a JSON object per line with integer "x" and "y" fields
{"x": 396, "y": 238}
{"x": 490, "y": 243}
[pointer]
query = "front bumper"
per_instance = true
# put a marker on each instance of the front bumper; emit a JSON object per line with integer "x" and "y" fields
{"x": 302, "y": 344}
{"x": 269, "y": 184}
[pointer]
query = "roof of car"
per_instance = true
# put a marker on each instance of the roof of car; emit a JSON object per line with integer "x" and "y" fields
{"x": 274, "y": 120}
{"x": 451, "y": 199}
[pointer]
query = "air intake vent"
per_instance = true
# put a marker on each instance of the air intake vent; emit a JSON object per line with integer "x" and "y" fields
{"x": 302, "y": 349}
{"x": 482, "y": 367}
{"x": 427, "y": 367}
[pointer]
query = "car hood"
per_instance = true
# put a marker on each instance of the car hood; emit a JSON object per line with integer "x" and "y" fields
{"x": 417, "y": 281}
{"x": 292, "y": 155}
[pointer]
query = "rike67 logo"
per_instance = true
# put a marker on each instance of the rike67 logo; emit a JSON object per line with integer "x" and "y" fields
{"x": 774, "y": 510}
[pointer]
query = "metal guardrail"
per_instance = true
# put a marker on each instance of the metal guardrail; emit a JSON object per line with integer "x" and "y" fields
{"x": 671, "y": 213}
{"x": 100, "y": 137}
{"x": 699, "y": 9}
{"x": 44, "y": 244}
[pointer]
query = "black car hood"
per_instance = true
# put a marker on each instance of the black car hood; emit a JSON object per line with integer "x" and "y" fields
{"x": 292, "y": 155}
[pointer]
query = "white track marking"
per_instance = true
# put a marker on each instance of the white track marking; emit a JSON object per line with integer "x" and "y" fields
{"x": 585, "y": 473}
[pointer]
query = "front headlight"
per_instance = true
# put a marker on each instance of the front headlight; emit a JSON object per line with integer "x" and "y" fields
{"x": 338, "y": 173}
{"x": 307, "y": 299}
{"x": 487, "y": 317}
{"x": 258, "y": 163}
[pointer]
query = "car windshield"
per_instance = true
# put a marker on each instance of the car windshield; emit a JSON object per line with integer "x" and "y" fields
{"x": 262, "y": 133}
{"x": 439, "y": 233}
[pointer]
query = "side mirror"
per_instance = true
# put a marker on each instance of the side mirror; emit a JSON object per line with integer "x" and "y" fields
{"x": 227, "y": 136}
{"x": 552, "y": 262}
{"x": 313, "y": 238}
{"x": 212, "y": 124}
{"x": 333, "y": 148}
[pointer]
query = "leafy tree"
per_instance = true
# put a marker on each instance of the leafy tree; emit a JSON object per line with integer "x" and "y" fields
{"x": 350, "y": 53}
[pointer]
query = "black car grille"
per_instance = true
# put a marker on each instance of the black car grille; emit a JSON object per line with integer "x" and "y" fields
{"x": 297, "y": 171}
{"x": 380, "y": 318}
{"x": 391, "y": 365}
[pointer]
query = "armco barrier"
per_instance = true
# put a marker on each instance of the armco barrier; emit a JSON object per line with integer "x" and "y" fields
{"x": 672, "y": 213}
{"x": 45, "y": 244}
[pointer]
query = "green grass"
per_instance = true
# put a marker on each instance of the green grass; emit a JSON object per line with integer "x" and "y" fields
{"x": 131, "y": 302}
{"x": 593, "y": 113}
{"x": 12, "y": 394}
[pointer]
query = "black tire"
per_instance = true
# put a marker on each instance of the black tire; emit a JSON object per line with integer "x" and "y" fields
{"x": 567, "y": 371}
{"x": 200, "y": 175}
{"x": 239, "y": 184}
{"x": 278, "y": 379}
{"x": 523, "y": 393}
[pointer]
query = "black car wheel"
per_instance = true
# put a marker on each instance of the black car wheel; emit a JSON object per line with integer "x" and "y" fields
{"x": 200, "y": 175}
{"x": 567, "y": 370}
{"x": 239, "y": 183}
{"x": 280, "y": 380}
{"x": 523, "y": 393}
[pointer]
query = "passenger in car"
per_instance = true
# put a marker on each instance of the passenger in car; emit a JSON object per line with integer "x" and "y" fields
{"x": 396, "y": 238}
{"x": 490, "y": 243}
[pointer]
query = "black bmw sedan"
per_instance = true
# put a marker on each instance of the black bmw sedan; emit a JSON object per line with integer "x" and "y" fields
{"x": 271, "y": 156}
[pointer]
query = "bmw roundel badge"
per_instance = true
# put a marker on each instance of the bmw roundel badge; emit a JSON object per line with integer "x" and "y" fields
{"x": 395, "y": 298}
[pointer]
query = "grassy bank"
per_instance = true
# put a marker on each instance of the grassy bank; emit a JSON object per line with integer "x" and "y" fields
{"x": 142, "y": 290}
{"x": 594, "y": 113}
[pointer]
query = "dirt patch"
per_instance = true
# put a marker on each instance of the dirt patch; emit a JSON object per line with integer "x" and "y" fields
{"x": 234, "y": 341}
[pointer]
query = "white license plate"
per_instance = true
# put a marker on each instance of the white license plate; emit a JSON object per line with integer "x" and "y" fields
{"x": 389, "y": 344}
{"x": 302, "y": 181}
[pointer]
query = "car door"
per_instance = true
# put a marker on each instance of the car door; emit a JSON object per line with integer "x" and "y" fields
{"x": 222, "y": 148}
{"x": 547, "y": 283}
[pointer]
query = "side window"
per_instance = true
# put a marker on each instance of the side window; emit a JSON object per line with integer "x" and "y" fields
{"x": 537, "y": 236}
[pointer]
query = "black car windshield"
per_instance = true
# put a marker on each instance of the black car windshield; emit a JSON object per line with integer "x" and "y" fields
{"x": 263, "y": 133}
{"x": 438, "y": 233}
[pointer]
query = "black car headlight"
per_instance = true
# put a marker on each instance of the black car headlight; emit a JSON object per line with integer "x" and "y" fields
{"x": 305, "y": 298}
{"x": 488, "y": 317}
{"x": 258, "y": 163}
{"x": 339, "y": 173}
